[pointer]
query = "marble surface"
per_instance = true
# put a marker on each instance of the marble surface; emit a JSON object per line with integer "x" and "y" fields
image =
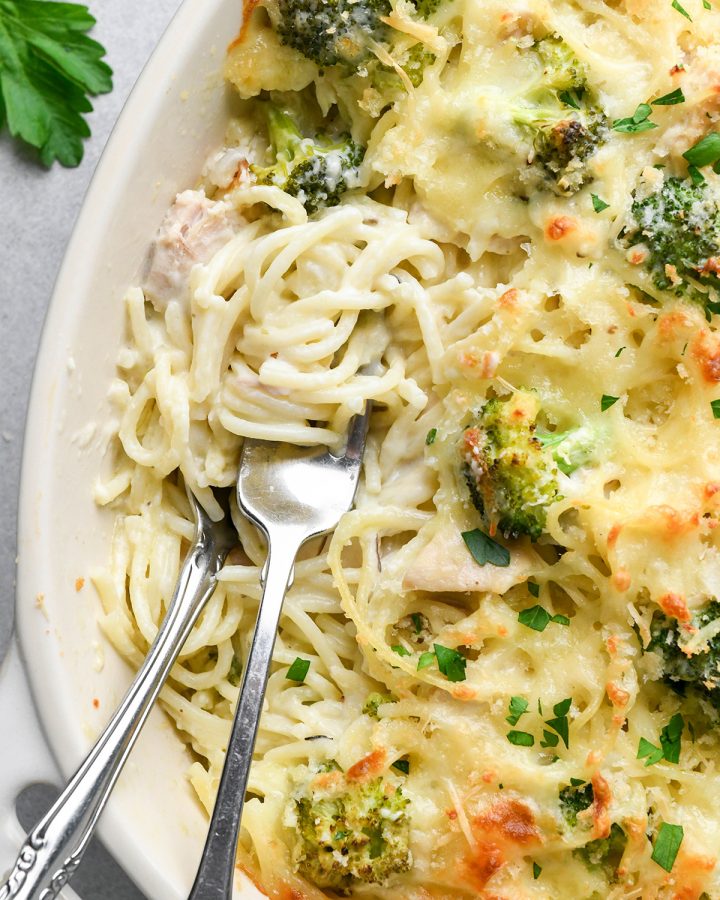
{"x": 39, "y": 210}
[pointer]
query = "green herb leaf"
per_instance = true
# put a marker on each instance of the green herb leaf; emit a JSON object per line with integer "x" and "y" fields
{"x": 517, "y": 707}
{"x": 715, "y": 406}
{"x": 235, "y": 672}
{"x": 563, "y": 707}
{"x": 576, "y": 782}
{"x": 377, "y": 843}
{"x": 400, "y": 650}
{"x": 536, "y": 871}
{"x": 402, "y": 765}
{"x": 667, "y": 844}
{"x": 426, "y": 659}
{"x": 485, "y": 550}
{"x": 671, "y": 99}
{"x": 560, "y": 724}
{"x": 569, "y": 99}
{"x": 705, "y": 152}
{"x": 430, "y": 436}
{"x": 683, "y": 12}
{"x": 560, "y": 620}
{"x": 451, "y": 663}
{"x": 619, "y": 352}
{"x": 549, "y": 739}
{"x": 521, "y": 738}
{"x": 534, "y": 588}
{"x": 649, "y": 752}
{"x": 598, "y": 204}
{"x": 637, "y": 122}
{"x": 417, "y": 621}
{"x": 298, "y": 670}
{"x": 48, "y": 67}
{"x": 707, "y": 4}
{"x": 536, "y": 617}
{"x": 607, "y": 401}
{"x": 696, "y": 176}
{"x": 671, "y": 738}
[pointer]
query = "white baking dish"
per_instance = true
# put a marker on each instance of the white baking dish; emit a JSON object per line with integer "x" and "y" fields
{"x": 174, "y": 118}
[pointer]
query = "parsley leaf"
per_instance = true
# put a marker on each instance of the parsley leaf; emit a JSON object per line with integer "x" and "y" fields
{"x": 534, "y": 588}
{"x": 536, "y": 617}
{"x": 48, "y": 67}
{"x": 402, "y": 765}
{"x": 705, "y": 151}
{"x": 517, "y": 707}
{"x": 485, "y": 550}
{"x": 430, "y": 436}
{"x": 400, "y": 650}
{"x": 536, "y": 871}
{"x": 451, "y": 663}
{"x": 607, "y": 401}
{"x": 598, "y": 204}
{"x": 649, "y": 752}
{"x": 521, "y": 738}
{"x": 637, "y": 122}
{"x": 549, "y": 739}
{"x": 671, "y": 99}
{"x": 426, "y": 659}
{"x": 715, "y": 406}
{"x": 671, "y": 738}
{"x": 298, "y": 670}
{"x": 683, "y": 12}
{"x": 667, "y": 845}
{"x": 569, "y": 99}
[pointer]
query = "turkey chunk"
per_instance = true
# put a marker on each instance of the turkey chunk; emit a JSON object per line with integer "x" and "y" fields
{"x": 445, "y": 564}
{"x": 193, "y": 230}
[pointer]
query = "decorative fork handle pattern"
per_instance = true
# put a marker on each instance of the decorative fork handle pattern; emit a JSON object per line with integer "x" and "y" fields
{"x": 54, "y": 848}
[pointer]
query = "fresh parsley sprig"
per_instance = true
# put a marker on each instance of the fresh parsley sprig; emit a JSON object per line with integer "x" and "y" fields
{"x": 48, "y": 68}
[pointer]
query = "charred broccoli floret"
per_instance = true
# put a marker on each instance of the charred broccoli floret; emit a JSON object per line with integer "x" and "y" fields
{"x": 333, "y": 32}
{"x": 512, "y": 469}
{"x": 689, "y": 667}
{"x": 603, "y": 853}
{"x": 349, "y": 832}
{"x": 676, "y": 233}
{"x": 316, "y": 170}
{"x": 562, "y": 116}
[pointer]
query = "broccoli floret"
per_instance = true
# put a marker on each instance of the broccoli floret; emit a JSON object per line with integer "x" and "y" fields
{"x": 512, "y": 478}
{"x": 426, "y": 8}
{"x": 333, "y": 32}
{"x": 686, "y": 671}
{"x": 604, "y": 853}
{"x": 562, "y": 115}
{"x": 574, "y": 798}
{"x": 349, "y": 832}
{"x": 676, "y": 230}
{"x": 375, "y": 700}
{"x": 316, "y": 170}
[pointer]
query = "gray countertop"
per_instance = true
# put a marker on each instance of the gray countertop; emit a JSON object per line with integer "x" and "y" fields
{"x": 40, "y": 210}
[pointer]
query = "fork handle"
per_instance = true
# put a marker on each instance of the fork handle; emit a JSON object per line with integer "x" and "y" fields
{"x": 54, "y": 848}
{"x": 214, "y": 880}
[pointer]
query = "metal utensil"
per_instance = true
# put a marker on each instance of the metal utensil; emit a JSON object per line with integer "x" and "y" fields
{"x": 291, "y": 494}
{"x": 54, "y": 848}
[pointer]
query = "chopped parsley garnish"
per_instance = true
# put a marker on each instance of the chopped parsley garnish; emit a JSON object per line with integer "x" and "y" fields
{"x": 569, "y": 99}
{"x": 402, "y": 765}
{"x": 534, "y": 588}
{"x": 48, "y": 68}
{"x": 430, "y": 436}
{"x": 536, "y": 871}
{"x": 671, "y": 99}
{"x": 707, "y": 4}
{"x": 696, "y": 176}
{"x": 715, "y": 406}
{"x": 607, "y": 401}
{"x": 639, "y": 121}
{"x": 426, "y": 659}
{"x": 517, "y": 707}
{"x": 598, "y": 204}
{"x": 235, "y": 671}
{"x": 400, "y": 650}
{"x": 620, "y": 351}
{"x": 683, "y": 12}
{"x": 560, "y": 723}
{"x": 705, "y": 152}
{"x": 521, "y": 738}
{"x": 670, "y": 743}
{"x": 298, "y": 670}
{"x": 417, "y": 621}
{"x": 549, "y": 739}
{"x": 667, "y": 844}
{"x": 538, "y": 618}
{"x": 484, "y": 549}
{"x": 451, "y": 663}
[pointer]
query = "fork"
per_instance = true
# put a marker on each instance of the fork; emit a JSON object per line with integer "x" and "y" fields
{"x": 292, "y": 495}
{"x": 54, "y": 848}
